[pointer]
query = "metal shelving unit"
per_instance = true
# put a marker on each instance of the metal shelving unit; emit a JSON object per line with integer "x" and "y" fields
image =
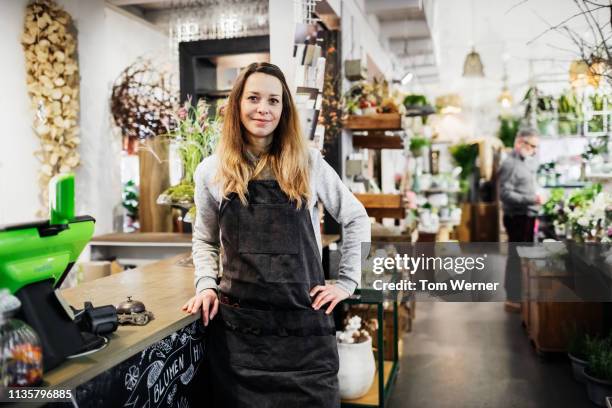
{"x": 386, "y": 375}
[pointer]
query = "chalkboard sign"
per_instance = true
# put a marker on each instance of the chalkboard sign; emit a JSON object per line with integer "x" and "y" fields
{"x": 166, "y": 374}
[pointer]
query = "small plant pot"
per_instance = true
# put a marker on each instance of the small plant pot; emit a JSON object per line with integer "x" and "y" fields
{"x": 597, "y": 389}
{"x": 418, "y": 152}
{"x": 357, "y": 369}
{"x": 578, "y": 366}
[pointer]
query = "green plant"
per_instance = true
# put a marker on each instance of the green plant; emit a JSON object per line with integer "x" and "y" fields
{"x": 567, "y": 104}
{"x": 536, "y": 102}
{"x": 600, "y": 358}
{"x": 181, "y": 193}
{"x": 130, "y": 199}
{"x": 596, "y": 147}
{"x": 417, "y": 144}
{"x": 415, "y": 100}
{"x": 596, "y": 123}
{"x": 508, "y": 129}
{"x": 465, "y": 155}
{"x": 570, "y": 113}
{"x": 584, "y": 196}
{"x": 194, "y": 134}
{"x": 551, "y": 207}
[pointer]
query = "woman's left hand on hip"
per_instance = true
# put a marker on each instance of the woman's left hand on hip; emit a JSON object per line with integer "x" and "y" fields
{"x": 331, "y": 294}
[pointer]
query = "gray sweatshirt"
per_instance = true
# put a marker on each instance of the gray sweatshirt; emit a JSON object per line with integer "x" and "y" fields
{"x": 517, "y": 184}
{"x": 325, "y": 186}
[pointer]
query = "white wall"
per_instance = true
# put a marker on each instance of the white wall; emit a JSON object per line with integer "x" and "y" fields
{"x": 18, "y": 167}
{"x": 363, "y": 38}
{"x": 282, "y": 32}
{"x": 107, "y": 42}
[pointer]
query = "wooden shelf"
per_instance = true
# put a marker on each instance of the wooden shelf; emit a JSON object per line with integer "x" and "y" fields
{"x": 371, "y": 398}
{"x": 383, "y": 205}
{"x": 379, "y": 121}
{"x": 378, "y": 142}
{"x": 370, "y": 200}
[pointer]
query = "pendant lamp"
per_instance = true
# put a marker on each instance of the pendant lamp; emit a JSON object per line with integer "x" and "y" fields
{"x": 472, "y": 67}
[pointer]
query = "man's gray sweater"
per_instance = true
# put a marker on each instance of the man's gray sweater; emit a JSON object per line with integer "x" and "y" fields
{"x": 517, "y": 183}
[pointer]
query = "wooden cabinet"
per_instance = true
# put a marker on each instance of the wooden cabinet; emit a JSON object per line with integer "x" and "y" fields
{"x": 549, "y": 324}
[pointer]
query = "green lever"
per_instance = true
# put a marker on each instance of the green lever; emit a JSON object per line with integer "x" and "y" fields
{"x": 61, "y": 199}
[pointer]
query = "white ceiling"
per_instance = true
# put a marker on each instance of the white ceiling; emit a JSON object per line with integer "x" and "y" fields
{"x": 502, "y": 29}
{"x": 432, "y": 37}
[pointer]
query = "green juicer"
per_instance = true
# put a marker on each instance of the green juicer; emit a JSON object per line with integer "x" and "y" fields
{"x": 35, "y": 258}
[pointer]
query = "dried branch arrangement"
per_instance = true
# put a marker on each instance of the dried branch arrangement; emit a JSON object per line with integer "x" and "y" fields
{"x": 594, "y": 50}
{"x": 142, "y": 100}
{"x": 52, "y": 76}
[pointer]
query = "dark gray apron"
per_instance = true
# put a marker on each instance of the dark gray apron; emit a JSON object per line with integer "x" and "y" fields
{"x": 267, "y": 347}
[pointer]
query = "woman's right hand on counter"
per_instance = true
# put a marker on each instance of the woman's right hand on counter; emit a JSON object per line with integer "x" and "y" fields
{"x": 208, "y": 301}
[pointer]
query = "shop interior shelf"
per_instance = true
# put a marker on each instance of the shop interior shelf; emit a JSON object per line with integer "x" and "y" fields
{"x": 382, "y": 205}
{"x": 386, "y": 370}
{"x": 379, "y": 121}
{"x": 373, "y": 200}
{"x": 440, "y": 190}
{"x": 577, "y": 184}
{"x": 378, "y": 141}
{"x": 371, "y": 399}
{"x": 414, "y": 111}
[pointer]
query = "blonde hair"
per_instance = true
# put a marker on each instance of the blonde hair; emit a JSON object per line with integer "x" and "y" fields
{"x": 287, "y": 156}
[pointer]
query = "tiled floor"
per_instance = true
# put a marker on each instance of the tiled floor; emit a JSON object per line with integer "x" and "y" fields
{"x": 470, "y": 355}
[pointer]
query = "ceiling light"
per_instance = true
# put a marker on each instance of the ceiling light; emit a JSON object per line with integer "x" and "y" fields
{"x": 505, "y": 98}
{"x": 472, "y": 67}
{"x": 449, "y": 104}
{"x": 407, "y": 78}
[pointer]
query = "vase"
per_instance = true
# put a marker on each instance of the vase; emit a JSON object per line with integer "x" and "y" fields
{"x": 597, "y": 389}
{"x": 357, "y": 369}
{"x": 578, "y": 366}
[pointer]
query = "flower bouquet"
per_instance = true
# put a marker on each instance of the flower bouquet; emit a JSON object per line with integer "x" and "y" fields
{"x": 195, "y": 136}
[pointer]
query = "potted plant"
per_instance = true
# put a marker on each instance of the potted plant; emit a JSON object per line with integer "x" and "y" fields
{"x": 360, "y": 99}
{"x": 553, "y": 212}
{"x": 418, "y": 145}
{"x": 508, "y": 129}
{"x": 598, "y": 372}
{"x": 465, "y": 155}
{"x": 357, "y": 367}
{"x": 596, "y": 122}
{"x": 195, "y": 137}
{"x": 569, "y": 111}
{"x": 130, "y": 204}
{"x": 578, "y": 351}
{"x": 539, "y": 107}
{"x": 417, "y": 105}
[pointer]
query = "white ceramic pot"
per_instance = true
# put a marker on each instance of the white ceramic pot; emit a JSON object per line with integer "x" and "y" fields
{"x": 357, "y": 369}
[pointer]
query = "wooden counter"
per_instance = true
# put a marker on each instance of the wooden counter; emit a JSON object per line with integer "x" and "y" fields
{"x": 162, "y": 286}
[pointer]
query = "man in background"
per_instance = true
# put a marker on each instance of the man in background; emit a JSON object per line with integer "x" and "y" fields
{"x": 520, "y": 203}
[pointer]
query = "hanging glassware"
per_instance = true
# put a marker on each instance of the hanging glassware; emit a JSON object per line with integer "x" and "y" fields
{"x": 213, "y": 19}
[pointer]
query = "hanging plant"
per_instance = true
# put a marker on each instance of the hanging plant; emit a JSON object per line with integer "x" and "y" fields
{"x": 143, "y": 98}
{"x": 52, "y": 77}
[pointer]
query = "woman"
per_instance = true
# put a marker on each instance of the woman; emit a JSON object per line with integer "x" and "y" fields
{"x": 273, "y": 339}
